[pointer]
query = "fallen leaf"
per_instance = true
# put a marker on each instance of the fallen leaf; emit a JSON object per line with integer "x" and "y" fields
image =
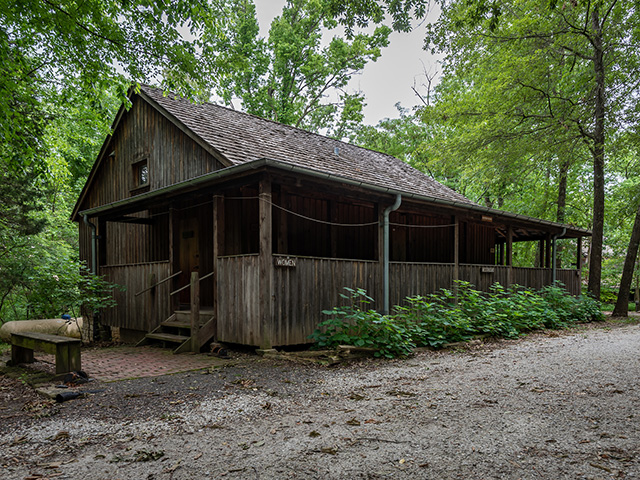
{"x": 601, "y": 467}
{"x": 329, "y": 450}
{"x": 401, "y": 393}
{"x": 172, "y": 468}
{"x": 314, "y": 434}
{"x": 60, "y": 436}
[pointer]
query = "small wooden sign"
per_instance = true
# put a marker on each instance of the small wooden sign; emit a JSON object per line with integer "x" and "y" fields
{"x": 488, "y": 270}
{"x": 286, "y": 262}
{"x": 487, "y": 218}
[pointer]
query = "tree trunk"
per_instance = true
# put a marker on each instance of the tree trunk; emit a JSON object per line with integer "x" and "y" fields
{"x": 622, "y": 304}
{"x": 562, "y": 192}
{"x": 561, "y": 205}
{"x": 595, "y": 261}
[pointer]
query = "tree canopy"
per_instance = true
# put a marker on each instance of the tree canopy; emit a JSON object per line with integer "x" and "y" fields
{"x": 295, "y": 76}
{"x": 535, "y": 86}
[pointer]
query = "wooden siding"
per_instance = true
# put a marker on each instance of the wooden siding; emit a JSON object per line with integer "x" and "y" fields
{"x": 411, "y": 279}
{"x": 483, "y": 280}
{"x": 126, "y": 243}
{"x": 429, "y": 239}
{"x": 572, "y": 280}
{"x": 84, "y": 244}
{"x": 313, "y": 285}
{"x": 238, "y": 297}
{"x": 129, "y": 243}
{"x": 296, "y": 235}
{"x": 145, "y": 311}
{"x": 532, "y": 277}
{"x": 476, "y": 242}
{"x": 302, "y": 292}
{"x": 144, "y": 133}
{"x": 240, "y": 226}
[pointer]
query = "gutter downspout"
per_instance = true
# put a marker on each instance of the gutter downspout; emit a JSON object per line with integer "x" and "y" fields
{"x": 385, "y": 253}
{"x": 554, "y": 267}
{"x": 94, "y": 240}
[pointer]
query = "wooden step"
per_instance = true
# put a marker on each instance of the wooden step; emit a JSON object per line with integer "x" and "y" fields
{"x": 167, "y": 337}
{"x": 176, "y": 324}
{"x": 185, "y": 316}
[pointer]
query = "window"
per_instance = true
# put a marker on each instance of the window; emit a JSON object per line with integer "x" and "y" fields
{"x": 140, "y": 176}
{"x": 143, "y": 175}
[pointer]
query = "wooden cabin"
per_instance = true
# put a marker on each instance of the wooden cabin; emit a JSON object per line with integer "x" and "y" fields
{"x": 276, "y": 221}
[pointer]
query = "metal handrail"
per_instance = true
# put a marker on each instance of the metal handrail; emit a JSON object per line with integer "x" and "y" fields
{"x": 158, "y": 283}
{"x": 189, "y": 284}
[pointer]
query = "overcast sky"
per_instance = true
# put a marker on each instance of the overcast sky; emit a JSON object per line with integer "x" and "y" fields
{"x": 389, "y": 80}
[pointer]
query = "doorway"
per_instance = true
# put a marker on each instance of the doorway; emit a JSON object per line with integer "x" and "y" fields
{"x": 195, "y": 245}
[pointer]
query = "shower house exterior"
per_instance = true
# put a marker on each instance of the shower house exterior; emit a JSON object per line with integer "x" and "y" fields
{"x": 276, "y": 221}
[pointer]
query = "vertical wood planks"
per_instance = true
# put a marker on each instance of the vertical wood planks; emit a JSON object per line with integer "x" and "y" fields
{"x": 133, "y": 312}
{"x": 265, "y": 262}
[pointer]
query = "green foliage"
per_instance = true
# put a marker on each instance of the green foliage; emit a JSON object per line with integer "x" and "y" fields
{"x": 355, "y": 324}
{"x": 533, "y": 106}
{"x": 40, "y": 275}
{"x": 446, "y": 317}
{"x": 294, "y": 76}
{"x": 67, "y": 289}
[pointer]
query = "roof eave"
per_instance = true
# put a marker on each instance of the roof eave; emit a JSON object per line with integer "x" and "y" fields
{"x": 172, "y": 118}
{"x": 100, "y": 157}
{"x": 264, "y": 162}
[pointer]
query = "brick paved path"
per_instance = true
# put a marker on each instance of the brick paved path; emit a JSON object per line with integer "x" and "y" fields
{"x": 124, "y": 362}
{"x": 119, "y": 363}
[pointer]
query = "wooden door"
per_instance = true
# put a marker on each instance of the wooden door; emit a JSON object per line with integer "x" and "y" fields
{"x": 189, "y": 254}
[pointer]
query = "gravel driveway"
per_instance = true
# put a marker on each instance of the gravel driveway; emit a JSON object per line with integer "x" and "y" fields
{"x": 564, "y": 406}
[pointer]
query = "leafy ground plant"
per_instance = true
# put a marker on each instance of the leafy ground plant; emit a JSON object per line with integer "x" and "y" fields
{"x": 357, "y": 324}
{"x": 446, "y": 317}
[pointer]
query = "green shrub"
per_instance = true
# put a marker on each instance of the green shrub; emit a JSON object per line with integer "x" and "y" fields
{"x": 446, "y": 317}
{"x": 353, "y": 325}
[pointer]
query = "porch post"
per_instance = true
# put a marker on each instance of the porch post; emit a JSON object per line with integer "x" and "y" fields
{"x": 173, "y": 260}
{"x": 510, "y": 255}
{"x": 547, "y": 262}
{"x": 456, "y": 252}
{"x": 380, "y": 291}
{"x": 541, "y": 253}
{"x": 554, "y": 263}
{"x": 195, "y": 311}
{"x": 265, "y": 263}
{"x": 579, "y": 255}
{"x": 554, "y": 274}
{"x": 218, "y": 225}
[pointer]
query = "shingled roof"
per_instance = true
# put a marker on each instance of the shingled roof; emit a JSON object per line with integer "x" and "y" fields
{"x": 242, "y": 138}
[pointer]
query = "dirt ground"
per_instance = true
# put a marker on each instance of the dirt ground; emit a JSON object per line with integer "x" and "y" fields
{"x": 556, "y": 406}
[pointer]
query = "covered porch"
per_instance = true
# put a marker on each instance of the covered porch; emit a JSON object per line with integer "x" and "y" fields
{"x": 277, "y": 245}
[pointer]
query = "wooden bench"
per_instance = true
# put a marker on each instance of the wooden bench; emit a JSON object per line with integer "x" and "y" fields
{"x": 66, "y": 349}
